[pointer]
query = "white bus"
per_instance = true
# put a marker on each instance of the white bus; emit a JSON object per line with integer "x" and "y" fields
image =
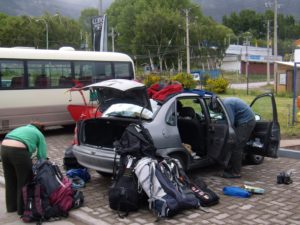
{"x": 34, "y": 83}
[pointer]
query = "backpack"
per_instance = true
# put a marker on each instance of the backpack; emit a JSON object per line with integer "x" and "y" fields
{"x": 63, "y": 196}
{"x": 124, "y": 192}
{"x": 37, "y": 207}
{"x": 205, "y": 195}
{"x": 135, "y": 141}
{"x": 162, "y": 182}
{"x": 56, "y": 187}
{"x": 48, "y": 175}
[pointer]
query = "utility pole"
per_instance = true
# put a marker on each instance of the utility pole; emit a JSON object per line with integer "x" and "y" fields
{"x": 47, "y": 30}
{"x": 100, "y": 8}
{"x": 275, "y": 44}
{"x": 268, "y": 49}
{"x": 113, "y": 38}
{"x": 188, "y": 69}
{"x": 246, "y": 43}
{"x": 276, "y": 6}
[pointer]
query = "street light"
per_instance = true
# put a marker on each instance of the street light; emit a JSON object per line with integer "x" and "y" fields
{"x": 46, "y": 24}
{"x": 188, "y": 67}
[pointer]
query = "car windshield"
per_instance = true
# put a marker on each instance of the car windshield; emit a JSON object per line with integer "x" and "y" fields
{"x": 128, "y": 110}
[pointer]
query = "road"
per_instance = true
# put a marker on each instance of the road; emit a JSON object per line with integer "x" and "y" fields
{"x": 279, "y": 205}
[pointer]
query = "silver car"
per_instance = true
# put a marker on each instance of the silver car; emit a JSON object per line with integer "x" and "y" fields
{"x": 191, "y": 126}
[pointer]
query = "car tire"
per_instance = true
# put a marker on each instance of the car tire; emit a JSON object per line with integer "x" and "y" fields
{"x": 180, "y": 159}
{"x": 254, "y": 159}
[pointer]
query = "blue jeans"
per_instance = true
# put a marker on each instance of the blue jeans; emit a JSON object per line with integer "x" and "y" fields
{"x": 243, "y": 132}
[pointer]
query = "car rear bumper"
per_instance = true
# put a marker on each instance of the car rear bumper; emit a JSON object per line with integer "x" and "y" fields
{"x": 101, "y": 160}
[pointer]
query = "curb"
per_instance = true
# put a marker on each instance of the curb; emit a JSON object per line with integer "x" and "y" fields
{"x": 83, "y": 217}
{"x": 288, "y": 153}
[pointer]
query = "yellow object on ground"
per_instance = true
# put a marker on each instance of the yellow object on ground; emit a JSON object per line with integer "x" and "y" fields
{"x": 255, "y": 190}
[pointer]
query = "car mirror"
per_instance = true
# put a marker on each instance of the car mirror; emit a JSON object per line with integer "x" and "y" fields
{"x": 257, "y": 117}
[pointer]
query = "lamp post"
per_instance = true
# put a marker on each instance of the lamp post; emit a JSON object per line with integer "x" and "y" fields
{"x": 188, "y": 69}
{"x": 46, "y": 24}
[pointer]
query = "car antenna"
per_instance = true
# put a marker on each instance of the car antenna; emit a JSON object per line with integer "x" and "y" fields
{"x": 140, "y": 118}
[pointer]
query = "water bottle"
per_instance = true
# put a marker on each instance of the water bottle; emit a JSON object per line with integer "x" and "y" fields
{"x": 236, "y": 192}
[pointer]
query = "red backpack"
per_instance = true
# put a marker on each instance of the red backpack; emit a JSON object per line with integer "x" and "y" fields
{"x": 63, "y": 196}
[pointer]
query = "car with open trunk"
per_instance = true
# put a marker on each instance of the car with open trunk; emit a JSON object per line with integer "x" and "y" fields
{"x": 192, "y": 126}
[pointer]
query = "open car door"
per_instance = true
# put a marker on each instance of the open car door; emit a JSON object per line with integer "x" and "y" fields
{"x": 265, "y": 137}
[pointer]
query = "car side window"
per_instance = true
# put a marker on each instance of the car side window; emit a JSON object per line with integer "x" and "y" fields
{"x": 188, "y": 106}
{"x": 263, "y": 109}
{"x": 171, "y": 115}
{"x": 216, "y": 111}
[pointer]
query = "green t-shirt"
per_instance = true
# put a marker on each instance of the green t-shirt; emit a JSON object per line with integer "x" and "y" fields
{"x": 32, "y": 137}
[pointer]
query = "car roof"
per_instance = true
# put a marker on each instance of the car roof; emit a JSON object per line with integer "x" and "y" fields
{"x": 120, "y": 84}
{"x": 199, "y": 92}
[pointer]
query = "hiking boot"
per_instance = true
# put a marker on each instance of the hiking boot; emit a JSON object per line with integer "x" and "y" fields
{"x": 230, "y": 175}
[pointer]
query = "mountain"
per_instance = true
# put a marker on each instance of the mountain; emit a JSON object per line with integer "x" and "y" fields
{"x": 72, "y": 8}
{"x": 69, "y": 8}
{"x": 218, "y": 8}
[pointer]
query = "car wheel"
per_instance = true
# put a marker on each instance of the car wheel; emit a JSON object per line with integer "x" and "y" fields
{"x": 254, "y": 159}
{"x": 103, "y": 174}
{"x": 180, "y": 159}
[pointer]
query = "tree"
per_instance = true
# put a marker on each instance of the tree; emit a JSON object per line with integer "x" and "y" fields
{"x": 156, "y": 29}
{"x": 26, "y": 31}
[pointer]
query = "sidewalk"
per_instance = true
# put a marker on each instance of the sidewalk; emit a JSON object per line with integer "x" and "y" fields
{"x": 290, "y": 143}
{"x": 271, "y": 208}
{"x": 14, "y": 219}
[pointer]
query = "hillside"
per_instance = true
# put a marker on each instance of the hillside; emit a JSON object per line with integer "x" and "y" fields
{"x": 217, "y": 8}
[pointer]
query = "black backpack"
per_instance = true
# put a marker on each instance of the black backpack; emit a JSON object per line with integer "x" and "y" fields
{"x": 135, "y": 141}
{"x": 48, "y": 175}
{"x": 36, "y": 205}
{"x": 124, "y": 194}
{"x": 206, "y": 196}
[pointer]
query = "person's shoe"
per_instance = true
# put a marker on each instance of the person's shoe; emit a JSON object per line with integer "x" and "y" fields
{"x": 230, "y": 175}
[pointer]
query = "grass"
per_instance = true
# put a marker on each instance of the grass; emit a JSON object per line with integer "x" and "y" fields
{"x": 284, "y": 109}
{"x": 234, "y": 78}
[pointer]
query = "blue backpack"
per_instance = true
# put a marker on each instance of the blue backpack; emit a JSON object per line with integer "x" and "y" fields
{"x": 165, "y": 184}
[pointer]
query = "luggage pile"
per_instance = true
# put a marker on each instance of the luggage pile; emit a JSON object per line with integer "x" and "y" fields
{"x": 141, "y": 177}
{"x": 49, "y": 196}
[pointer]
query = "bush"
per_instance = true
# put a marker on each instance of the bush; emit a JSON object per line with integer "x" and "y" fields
{"x": 186, "y": 80}
{"x": 151, "y": 79}
{"x": 218, "y": 85}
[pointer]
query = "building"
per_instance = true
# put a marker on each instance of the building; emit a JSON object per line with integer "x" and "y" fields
{"x": 237, "y": 56}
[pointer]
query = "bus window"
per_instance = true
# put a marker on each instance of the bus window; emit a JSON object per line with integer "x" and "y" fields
{"x": 122, "y": 70}
{"x": 45, "y": 74}
{"x": 91, "y": 72}
{"x": 12, "y": 72}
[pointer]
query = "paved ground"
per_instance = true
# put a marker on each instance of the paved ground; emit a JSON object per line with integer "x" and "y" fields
{"x": 279, "y": 205}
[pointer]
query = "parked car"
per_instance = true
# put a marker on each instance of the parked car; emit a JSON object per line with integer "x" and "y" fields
{"x": 190, "y": 120}
{"x": 196, "y": 77}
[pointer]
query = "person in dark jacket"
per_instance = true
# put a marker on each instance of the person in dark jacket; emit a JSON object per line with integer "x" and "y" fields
{"x": 243, "y": 120}
{"x": 17, "y": 150}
